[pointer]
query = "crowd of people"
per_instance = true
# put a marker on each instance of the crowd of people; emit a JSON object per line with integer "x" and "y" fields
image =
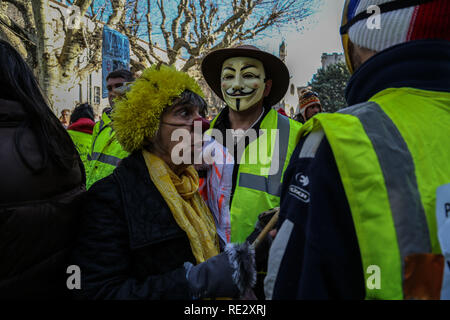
{"x": 153, "y": 201}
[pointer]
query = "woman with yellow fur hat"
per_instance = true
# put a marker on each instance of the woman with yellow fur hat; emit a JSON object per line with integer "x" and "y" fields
{"x": 146, "y": 232}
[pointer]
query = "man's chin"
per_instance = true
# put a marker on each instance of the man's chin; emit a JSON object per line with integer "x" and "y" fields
{"x": 250, "y": 109}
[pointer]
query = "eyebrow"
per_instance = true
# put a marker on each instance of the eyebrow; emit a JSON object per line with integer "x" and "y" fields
{"x": 249, "y": 66}
{"x": 179, "y": 107}
{"x": 229, "y": 68}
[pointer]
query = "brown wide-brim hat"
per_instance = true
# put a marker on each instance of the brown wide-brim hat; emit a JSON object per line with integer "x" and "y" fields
{"x": 274, "y": 68}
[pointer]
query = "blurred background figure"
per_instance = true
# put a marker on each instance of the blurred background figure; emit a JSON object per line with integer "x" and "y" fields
{"x": 105, "y": 152}
{"x": 309, "y": 104}
{"x": 41, "y": 175}
{"x": 80, "y": 129}
{"x": 65, "y": 118}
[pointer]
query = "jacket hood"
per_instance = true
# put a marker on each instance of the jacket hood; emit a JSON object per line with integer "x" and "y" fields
{"x": 421, "y": 64}
{"x": 85, "y": 125}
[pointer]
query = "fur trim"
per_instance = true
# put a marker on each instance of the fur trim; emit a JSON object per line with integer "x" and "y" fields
{"x": 136, "y": 116}
{"x": 242, "y": 261}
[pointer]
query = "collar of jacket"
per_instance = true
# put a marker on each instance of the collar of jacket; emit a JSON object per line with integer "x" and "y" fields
{"x": 223, "y": 121}
{"x": 85, "y": 125}
{"x": 148, "y": 216}
{"x": 106, "y": 118}
{"x": 421, "y": 64}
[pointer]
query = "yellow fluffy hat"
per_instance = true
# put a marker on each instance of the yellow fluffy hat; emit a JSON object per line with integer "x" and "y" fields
{"x": 136, "y": 116}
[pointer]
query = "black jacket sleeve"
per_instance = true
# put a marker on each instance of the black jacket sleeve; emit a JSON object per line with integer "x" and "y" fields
{"x": 321, "y": 258}
{"x": 104, "y": 256}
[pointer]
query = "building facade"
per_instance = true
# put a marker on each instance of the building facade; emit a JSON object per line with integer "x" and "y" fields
{"x": 333, "y": 58}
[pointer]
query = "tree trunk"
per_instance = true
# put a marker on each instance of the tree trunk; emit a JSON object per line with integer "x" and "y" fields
{"x": 46, "y": 59}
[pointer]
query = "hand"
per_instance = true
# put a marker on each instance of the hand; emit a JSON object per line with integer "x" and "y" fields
{"x": 263, "y": 247}
{"x": 229, "y": 274}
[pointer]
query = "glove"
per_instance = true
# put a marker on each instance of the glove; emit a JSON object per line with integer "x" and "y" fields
{"x": 229, "y": 274}
{"x": 262, "y": 250}
{"x": 263, "y": 220}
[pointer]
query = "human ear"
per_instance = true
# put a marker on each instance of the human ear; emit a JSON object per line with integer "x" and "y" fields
{"x": 268, "y": 87}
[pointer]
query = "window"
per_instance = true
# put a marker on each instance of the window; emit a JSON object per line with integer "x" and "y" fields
{"x": 80, "y": 92}
{"x": 96, "y": 95}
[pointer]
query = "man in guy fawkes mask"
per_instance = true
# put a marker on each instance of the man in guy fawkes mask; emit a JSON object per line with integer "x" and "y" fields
{"x": 261, "y": 140}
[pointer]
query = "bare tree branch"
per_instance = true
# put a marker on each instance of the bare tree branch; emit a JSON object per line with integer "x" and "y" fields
{"x": 183, "y": 27}
{"x": 118, "y": 12}
{"x": 73, "y": 42}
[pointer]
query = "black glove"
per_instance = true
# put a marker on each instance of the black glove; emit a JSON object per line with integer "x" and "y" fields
{"x": 229, "y": 274}
{"x": 263, "y": 220}
{"x": 262, "y": 250}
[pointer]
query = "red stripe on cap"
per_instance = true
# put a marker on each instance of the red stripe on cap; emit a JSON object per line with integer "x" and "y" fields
{"x": 431, "y": 21}
{"x": 412, "y": 23}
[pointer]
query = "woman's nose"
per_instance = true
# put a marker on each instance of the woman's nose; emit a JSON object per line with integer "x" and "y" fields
{"x": 203, "y": 123}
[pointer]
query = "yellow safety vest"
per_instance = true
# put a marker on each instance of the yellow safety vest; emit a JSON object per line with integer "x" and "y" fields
{"x": 82, "y": 141}
{"x": 392, "y": 153}
{"x": 260, "y": 176}
{"x": 106, "y": 152}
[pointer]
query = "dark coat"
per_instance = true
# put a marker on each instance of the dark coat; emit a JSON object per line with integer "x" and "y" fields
{"x": 130, "y": 246}
{"x": 37, "y": 215}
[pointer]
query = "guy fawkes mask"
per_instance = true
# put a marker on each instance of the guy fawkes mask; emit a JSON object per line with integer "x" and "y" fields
{"x": 242, "y": 82}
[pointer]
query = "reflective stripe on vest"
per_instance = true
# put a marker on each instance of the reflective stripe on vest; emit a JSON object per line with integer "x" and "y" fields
{"x": 398, "y": 167}
{"x": 104, "y": 158}
{"x": 271, "y": 184}
{"x": 95, "y": 135}
{"x": 99, "y": 156}
{"x": 258, "y": 185}
{"x": 260, "y": 190}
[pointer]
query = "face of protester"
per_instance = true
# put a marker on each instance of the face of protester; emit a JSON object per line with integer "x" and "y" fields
{"x": 243, "y": 82}
{"x": 65, "y": 116}
{"x": 112, "y": 84}
{"x": 312, "y": 111}
{"x": 173, "y": 118}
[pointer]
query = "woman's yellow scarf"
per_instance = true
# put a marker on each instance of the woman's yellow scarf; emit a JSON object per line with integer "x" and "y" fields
{"x": 186, "y": 204}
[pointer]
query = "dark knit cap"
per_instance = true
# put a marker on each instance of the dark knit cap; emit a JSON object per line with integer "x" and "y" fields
{"x": 84, "y": 110}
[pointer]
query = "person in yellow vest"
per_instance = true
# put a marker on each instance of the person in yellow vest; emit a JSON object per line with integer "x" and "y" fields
{"x": 80, "y": 129}
{"x": 358, "y": 216}
{"x": 251, "y": 81}
{"x": 105, "y": 152}
{"x": 260, "y": 139}
{"x": 146, "y": 231}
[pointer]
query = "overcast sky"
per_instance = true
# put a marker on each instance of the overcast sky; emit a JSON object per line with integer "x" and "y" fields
{"x": 305, "y": 48}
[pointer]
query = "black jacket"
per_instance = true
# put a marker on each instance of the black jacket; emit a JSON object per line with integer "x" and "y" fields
{"x": 130, "y": 246}
{"x": 38, "y": 218}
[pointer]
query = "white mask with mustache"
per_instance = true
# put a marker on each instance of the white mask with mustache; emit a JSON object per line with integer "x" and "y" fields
{"x": 242, "y": 82}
